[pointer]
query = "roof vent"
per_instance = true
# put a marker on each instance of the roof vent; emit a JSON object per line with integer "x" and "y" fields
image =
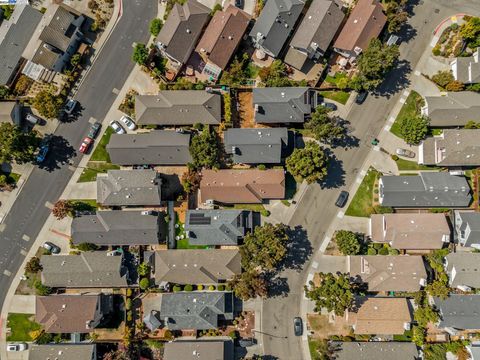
{"x": 189, "y": 31}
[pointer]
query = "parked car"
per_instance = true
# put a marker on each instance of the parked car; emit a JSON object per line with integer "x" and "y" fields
{"x": 405, "y": 153}
{"x": 329, "y": 105}
{"x": 298, "y": 326}
{"x": 86, "y": 143}
{"x": 70, "y": 106}
{"x": 43, "y": 149}
{"x": 361, "y": 96}
{"x": 17, "y": 347}
{"x": 32, "y": 119}
{"x": 94, "y": 129}
{"x": 128, "y": 122}
{"x": 54, "y": 249}
{"x": 115, "y": 125}
{"x": 342, "y": 199}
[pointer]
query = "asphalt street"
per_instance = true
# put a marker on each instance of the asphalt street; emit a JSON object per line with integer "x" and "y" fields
{"x": 95, "y": 95}
{"x": 316, "y": 210}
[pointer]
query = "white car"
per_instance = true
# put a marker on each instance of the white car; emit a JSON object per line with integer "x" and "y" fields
{"x": 117, "y": 127}
{"x": 128, "y": 122}
{"x": 17, "y": 347}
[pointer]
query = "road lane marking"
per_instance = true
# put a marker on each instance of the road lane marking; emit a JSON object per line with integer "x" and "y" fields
{"x": 23, "y": 252}
{"x": 7, "y": 273}
{"x": 340, "y": 214}
{"x": 49, "y": 205}
{"x": 325, "y": 243}
{"x": 115, "y": 91}
{"x": 315, "y": 265}
{"x": 376, "y": 148}
{"x": 406, "y": 93}
{"x": 391, "y": 119}
{"x": 358, "y": 180}
{"x": 387, "y": 127}
{"x": 26, "y": 237}
{"x": 363, "y": 172}
{"x": 402, "y": 100}
{"x": 417, "y": 73}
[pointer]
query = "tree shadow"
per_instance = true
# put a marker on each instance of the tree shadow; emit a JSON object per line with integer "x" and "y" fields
{"x": 277, "y": 286}
{"x": 299, "y": 249}
{"x": 348, "y": 141}
{"x": 74, "y": 116}
{"x": 59, "y": 154}
{"x": 396, "y": 80}
{"x": 335, "y": 172}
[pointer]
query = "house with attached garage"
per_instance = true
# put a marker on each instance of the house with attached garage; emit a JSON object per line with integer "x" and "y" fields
{"x": 462, "y": 270}
{"x": 274, "y": 26}
{"x": 451, "y": 148}
{"x": 467, "y": 228}
{"x": 452, "y": 109}
{"x": 153, "y": 148}
{"x": 199, "y": 350}
{"x": 374, "y": 350}
{"x": 256, "y": 146}
{"x": 218, "y": 227}
{"x": 179, "y": 108}
{"x": 459, "y": 314}
{"x": 314, "y": 34}
{"x": 63, "y": 352}
{"x": 284, "y": 105}
{"x": 466, "y": 69}
{"x": 426, "y": 190}
{"x": 410, "y": 231}
{"x": 122, "y": 228}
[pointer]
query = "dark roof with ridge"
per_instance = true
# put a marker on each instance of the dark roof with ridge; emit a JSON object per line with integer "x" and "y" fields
{"x": 459, "y": 311}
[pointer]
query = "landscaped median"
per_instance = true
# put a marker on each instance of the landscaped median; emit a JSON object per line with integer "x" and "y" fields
{"x": 410, "y": 109}
{"x": 362, "y": 203}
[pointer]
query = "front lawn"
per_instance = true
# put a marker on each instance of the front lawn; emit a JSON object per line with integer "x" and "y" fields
{"x": 411, "y": 108}
{"x": 84, "y": 204}
{"x": 362, "y": 202}
{"x": 338, "y": 96}
{"x": 94, "y": 168}
{"x": 318, "y": 348}
{"x": 20, "y": 326}
{"x": 100, "y": 153}
{"x": 334, "y": 79}
{"x": 403, "y": 164}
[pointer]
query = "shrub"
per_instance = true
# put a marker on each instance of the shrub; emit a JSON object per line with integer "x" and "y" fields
{"x": 436, "y": 50}
{"x": 377, "y": 246}
{"x": 199, "y": 287}
{"x": 87, "y": 247}
{"x": 393, "y": 251}
{"x": 383, "y": 209}
{"x": 211, "y": 287}
{"x": 233, "y": 335}
{"x": 129, "y": 316}
{"x": 221, "y": 287}
{"x": 129, "y": 292}
{"x": 371, "y": 251}
{"x": 177, "y": 288}
{"x": 383, "y": 251}
{"x": 347, "y": 242}
{"x": 228, "y": 287}
{"x": 144, "y": 283}
{"x": 188, "y": 287}
{"x": 394, "y": 157}
{"x": 155, "y": 26}
{"x": 41, "y": 289}
{"x": 442, "y": 78}
{"x": 455, "y": 86}
{"x": 261, "y": 167}
{"x": 33, "y": 266}
{"x": 128, "y": 304}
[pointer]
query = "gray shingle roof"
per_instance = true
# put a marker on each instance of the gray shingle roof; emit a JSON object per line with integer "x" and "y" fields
{"x": 197, "y": 310}
{"x": 375, "y": 350}
{"x": 15, "y": 34}
{"x": 470, "y": 220}
{"x": 459, "y": 311}
{"x": 463, "y": 269}
{"x": 451, "y": 148}
{"x": 62, "y": 352}
{"x": 129, "y": 188}
{"x": 453, "y": 109}
{"x": 256, "y": 146}
{"x": 275, "y": 24}
{"x": 196, "y": 266}
{"x": 55, "y": 33}
{"x": 119, "y": 228}
{"x": 178, "y": 107}
{"x": 198, "y": 350}
{"x": 282, "y": 104}
{"x": 183, "y": 28}
{"x": 439, "y": 189}
{"x": 467, "y": 69}
{"x": 153, "y": 148}
{"x": 217, "y": 227}
{"x": 89, "y": 269}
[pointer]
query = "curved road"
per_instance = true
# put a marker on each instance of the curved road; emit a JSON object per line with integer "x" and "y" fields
{"x": 95, "y": 95}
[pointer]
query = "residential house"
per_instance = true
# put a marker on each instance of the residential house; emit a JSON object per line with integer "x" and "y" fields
{"x": 407, "y": 231}
{"x": 129, "y": 188}
{"x": 181, "y": 31}
{"x": 256, "y": 146}
{"x": 284, "y": 105}
{"x": 15, "y": 34}
{"x": 370, "y": 350}
{"x": 251, "y": 186}
{"x": 467, "y": 228}
{"x": 380, "y": 316}
{"x": 196, "y": 266}
{"x": 196, "y": 310}
{"x": 315, "y": 34}
{"x": 107, "y": 228}
{"x": 388, "y": 273}
{"x": 198, "y": 350}
{"x": 466, "y": 69}
{"x": 11, "y": 112}
{"x": 462, "y": 269}
{"x": 451, "y": 148}
{"x": 453, "y": 109}
{"x": 153, "y": 148}
{"x": 64, "y": 314}
{"x": 426, "y": 190}
{"x": 179, "y": 107}
{"x": 98, "y": 269}
{"x": 63, "y": 352}
{"x": 366, "y": 22}
{"x": 275, "y": 25}
{"x": 458, "y": 313}
{"x": 218, "y": 227}
{"x": 221, "y": 39}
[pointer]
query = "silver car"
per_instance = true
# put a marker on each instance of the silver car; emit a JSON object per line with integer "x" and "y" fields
{"x": 405, "y": 153}
{"x": 115, "y": 125}
{"x": 128, "y": 122}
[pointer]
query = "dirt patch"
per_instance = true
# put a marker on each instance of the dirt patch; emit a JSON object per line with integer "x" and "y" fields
{"x": 246, "y": 111}
{"x": 321, "y": 328}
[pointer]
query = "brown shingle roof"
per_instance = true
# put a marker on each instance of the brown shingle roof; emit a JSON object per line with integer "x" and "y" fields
{"x": 364, "y": 23}
{"x": 223, "y": 35}
{"x": 242, "y": 186}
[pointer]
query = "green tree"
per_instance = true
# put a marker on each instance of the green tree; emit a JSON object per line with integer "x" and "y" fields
{"x": 265, "y": 247}
{"x": 217, "y": 7}
{"x": 396, "y": 16}
{"x": 144, "y": 283}
{"x": 47, "y": 104}
{"x": 418, "y": 335}
{"x": 347, "y": 242}
{"x": 17, "y": 145}
{"x": 334, "y": 292}
{"x": 424, "y": 315}
{"x": 249, "y": 285}
{"x": 276, "y": 75}
{"x": 470, "y": 31}
{"x": 323, "y": 127}
{"x": 155, "y": 27}
{"x": 4, "y": 92}
{"x": 373, "y": 64}
{"x": 87, "y": 247}
{"x": 443, "y": 78}
{"x": 237, "y": 74}
{"x": 75, "y": 60}
{"x": 309, "y": 163}
{"x": 33, "y": 266}
{"x": 143, "y": 269}
{"x": 414, "y": 129}
{"x": 472, "y": 125}
{"x": 438, "y": 288}
{"x": 140, "y": 54}
{"x": 191, "y": 180}
{"x": 42, "y": 290}
{"x": 204, "y": 149}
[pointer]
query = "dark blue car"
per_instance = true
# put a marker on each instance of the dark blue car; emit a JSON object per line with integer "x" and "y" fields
{"x": 43, "y": 150}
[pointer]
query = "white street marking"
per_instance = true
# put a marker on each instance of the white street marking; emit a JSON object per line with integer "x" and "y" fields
{"x": 315, "y": 265}
{"x": 26, "y": 237}
{"x": 6, "y": 272}
{"x": 340, "y": 214}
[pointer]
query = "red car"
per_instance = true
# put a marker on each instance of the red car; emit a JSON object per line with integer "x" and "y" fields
{"x": 86, "y": 143}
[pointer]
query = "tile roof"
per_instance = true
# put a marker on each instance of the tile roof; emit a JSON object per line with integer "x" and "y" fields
{"x": 459, "y": 311}
{"x": 62, "y": 352}
{"x": 452, "y": 109}
{"x": 376, "y": 350}
{"x": 463, "y": 269}
{"x": 242, "y": 186}
{"x": 198, "y": 350}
